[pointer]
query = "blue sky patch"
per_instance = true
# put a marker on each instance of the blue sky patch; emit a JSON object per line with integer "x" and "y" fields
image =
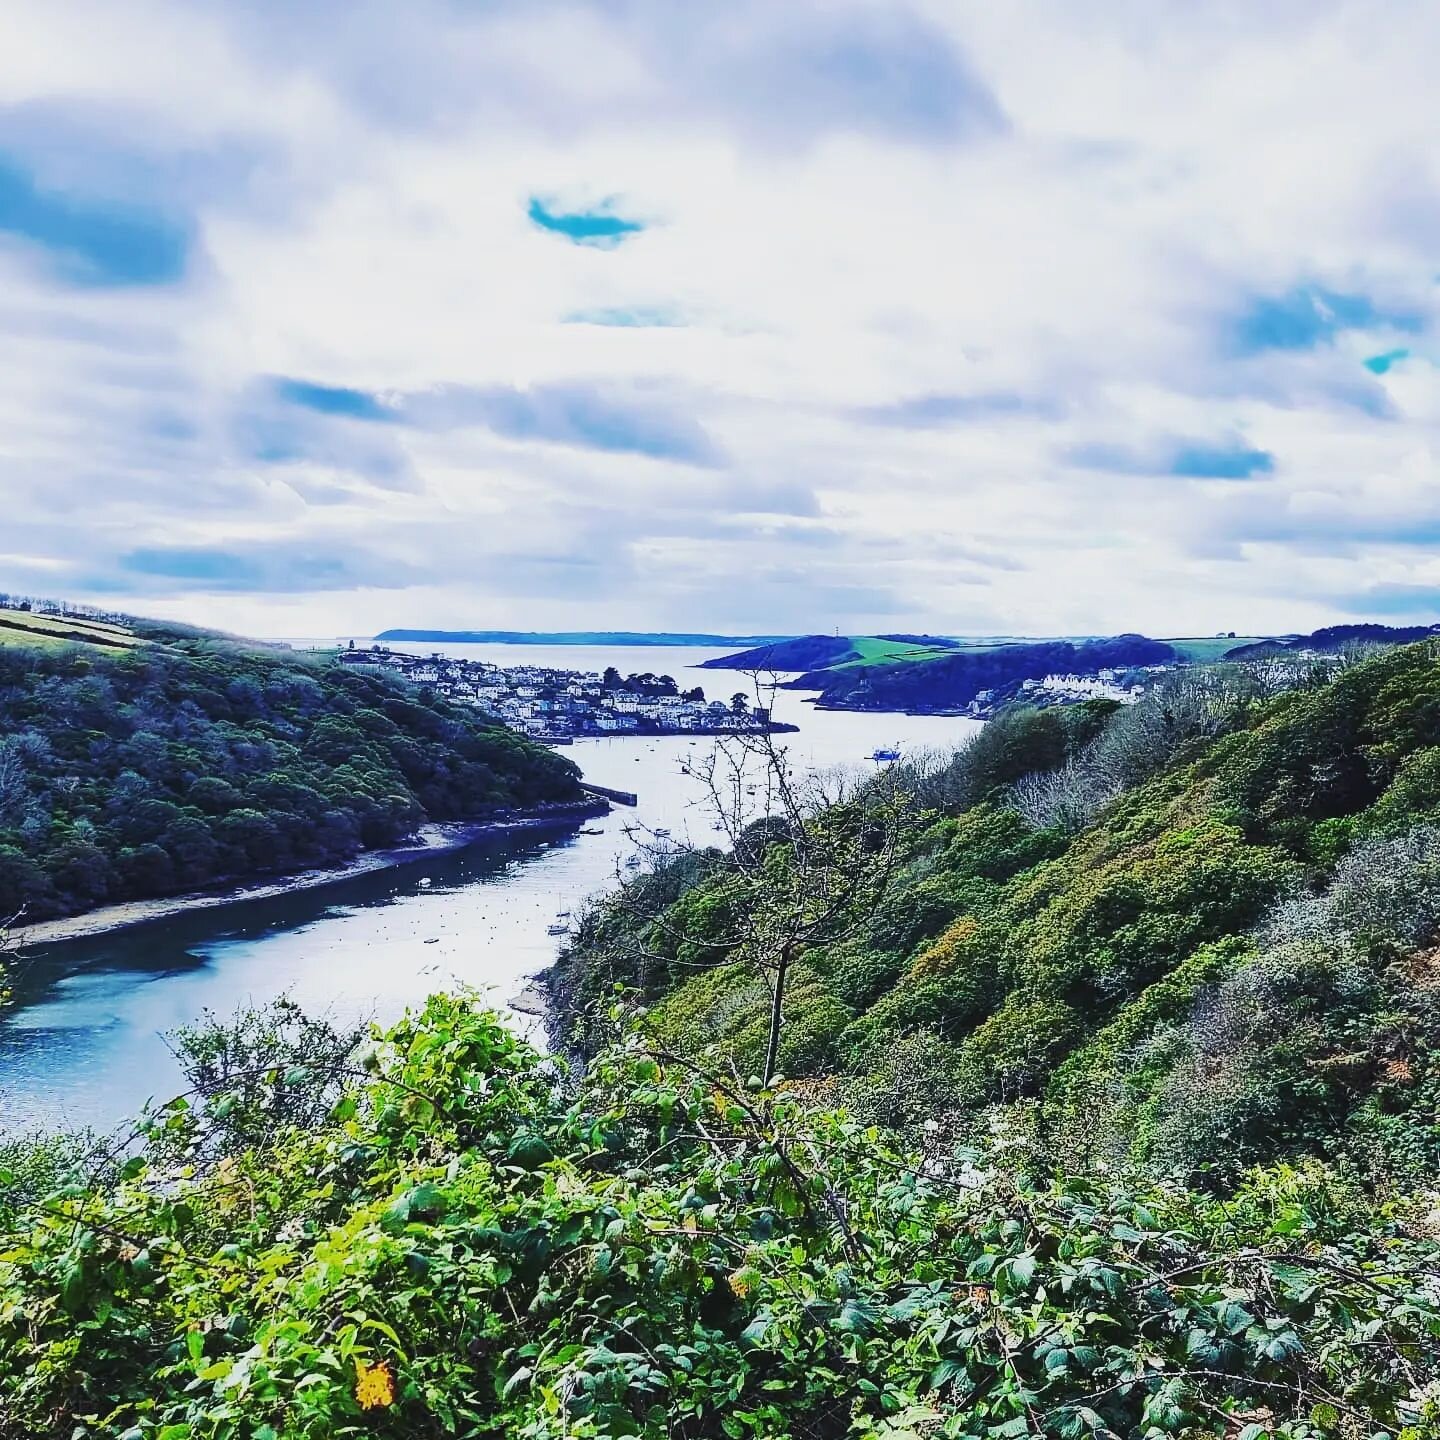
{"x": 93, "y": 241}
{"x": 1220, "y": 462}
{"x": 1380, "y": 364}
{"x": 627, "y": 317}
{"x": 598, "y": 226}
{"x": 1310, "y": 316}
{"x": 1185, "y": 459}
{"x": 333, "y": 400}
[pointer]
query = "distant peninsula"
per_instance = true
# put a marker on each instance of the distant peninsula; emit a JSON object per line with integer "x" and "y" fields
{"x": 572, "y": 637}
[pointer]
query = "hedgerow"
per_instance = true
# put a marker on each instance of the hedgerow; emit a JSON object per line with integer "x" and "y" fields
{"x": 470, "y": 1245}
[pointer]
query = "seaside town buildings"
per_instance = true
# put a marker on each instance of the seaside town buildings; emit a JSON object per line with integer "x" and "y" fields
{"x": 558, "y": 706}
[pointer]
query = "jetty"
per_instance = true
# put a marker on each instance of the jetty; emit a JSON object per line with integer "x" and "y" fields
{"x": 620, "y": 797}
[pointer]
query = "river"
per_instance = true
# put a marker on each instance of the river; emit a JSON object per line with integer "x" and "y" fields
{"x": 84, "y": 1042}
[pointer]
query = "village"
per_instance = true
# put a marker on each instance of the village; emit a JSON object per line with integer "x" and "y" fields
{"x": 559, "y": 706}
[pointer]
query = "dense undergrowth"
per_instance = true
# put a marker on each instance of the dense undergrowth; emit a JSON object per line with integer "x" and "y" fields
{"x": 1116, "y": 1116}
{"x": 1193, "y": 934}
{"x": 465, "y": 1245}
{"x": 193, "y": 760}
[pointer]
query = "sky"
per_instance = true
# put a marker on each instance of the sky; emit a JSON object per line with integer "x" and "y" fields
{"x": 1043, "y": 318}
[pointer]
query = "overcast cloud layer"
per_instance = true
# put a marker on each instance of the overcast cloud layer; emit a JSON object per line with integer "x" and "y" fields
{"x": 1031, "y": 317}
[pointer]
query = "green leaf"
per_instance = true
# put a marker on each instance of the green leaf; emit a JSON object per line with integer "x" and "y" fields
{"x": 519, "y": 1378}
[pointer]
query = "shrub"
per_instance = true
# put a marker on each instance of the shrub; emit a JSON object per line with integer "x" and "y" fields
{"x": 464, "y": 1249}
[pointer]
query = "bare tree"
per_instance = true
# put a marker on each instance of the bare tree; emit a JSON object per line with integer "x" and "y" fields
{"x": 805, "y": 859}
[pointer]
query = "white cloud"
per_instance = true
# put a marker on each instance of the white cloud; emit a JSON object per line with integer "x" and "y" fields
{"x": 924, "y": 253}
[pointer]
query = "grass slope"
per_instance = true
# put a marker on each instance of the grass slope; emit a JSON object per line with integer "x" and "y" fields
{"x": 52, "y": 632}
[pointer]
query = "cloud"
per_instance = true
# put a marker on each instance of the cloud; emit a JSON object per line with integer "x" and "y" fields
{"x": 89, "y": 240}
{"x": 295, "y": 568}
{"x": 852, "y": 314}
{"x": 1417, "y": 604}
{"x": 584, "y": 415}
{"x": 1230, "y": 459}
{"x": 581, "y": 415}
{"x": 923, "y": 411}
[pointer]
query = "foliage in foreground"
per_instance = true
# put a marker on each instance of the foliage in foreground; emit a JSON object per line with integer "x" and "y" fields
{"x": 465, "y": 1248}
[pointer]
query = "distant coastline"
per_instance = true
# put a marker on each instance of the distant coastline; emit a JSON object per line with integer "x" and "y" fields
{"x": 430, "y": 840}
{"x": 656, "y": 638}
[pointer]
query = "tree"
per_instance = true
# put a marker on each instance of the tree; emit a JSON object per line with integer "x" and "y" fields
{"x": 807, "y": 860}
{"x": 739, "y": 703}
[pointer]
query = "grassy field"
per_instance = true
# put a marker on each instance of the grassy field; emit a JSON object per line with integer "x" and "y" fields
{"x": 1205, "y": 649}
{"x": 872, "y": 650}
{"x": 53, "y": 632}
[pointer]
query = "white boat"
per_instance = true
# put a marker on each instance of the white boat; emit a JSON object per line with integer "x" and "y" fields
{"x": 557, "y": 930}
{"x": 633, "y": 863}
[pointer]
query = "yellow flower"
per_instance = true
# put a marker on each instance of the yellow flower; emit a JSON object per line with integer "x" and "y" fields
{"x": 374, "y": 1385}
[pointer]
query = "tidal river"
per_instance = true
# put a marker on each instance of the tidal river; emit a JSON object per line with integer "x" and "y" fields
{"x": 84, "y": 1042}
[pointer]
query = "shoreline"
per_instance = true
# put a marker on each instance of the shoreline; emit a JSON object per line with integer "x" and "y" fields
{"x": 437, "y": 838}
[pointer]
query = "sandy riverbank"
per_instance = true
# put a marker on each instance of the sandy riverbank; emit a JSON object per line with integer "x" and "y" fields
{"x": 429, "y": 840}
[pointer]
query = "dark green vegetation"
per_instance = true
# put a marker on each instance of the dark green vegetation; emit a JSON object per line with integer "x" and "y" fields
{"x": 1334, "y": 637}
{"x": 176, "y": 760}
{"x": 1116, "y": 1117}
{"x": 923, "y": 679}
{"x": 573, "y": 637}
{"x": 440, "y": 1241}
{"x": 1189, "y": 935}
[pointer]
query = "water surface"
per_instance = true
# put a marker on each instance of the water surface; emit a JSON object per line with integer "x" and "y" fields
{"x": 84, "y": 1043}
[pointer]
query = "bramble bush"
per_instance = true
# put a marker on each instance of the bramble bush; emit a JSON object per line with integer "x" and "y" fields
{"x": 468, "y": 1246}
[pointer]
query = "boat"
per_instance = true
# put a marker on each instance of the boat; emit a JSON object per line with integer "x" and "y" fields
{"x": 663, "y": 834}
{"x": 590, "y": 830}
{"x": 424, "y": 881}
{"x": 633, "y": 863}
{"x": 882, "y": 754}
{"x": 557, "y": 929}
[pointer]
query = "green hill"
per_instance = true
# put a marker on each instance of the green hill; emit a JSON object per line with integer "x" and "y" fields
{"x": 146, "y": 760}
{"x": 1192, "y": 932}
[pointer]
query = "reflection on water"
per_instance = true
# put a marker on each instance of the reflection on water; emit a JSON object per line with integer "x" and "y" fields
{"x": 83, "y": 1043}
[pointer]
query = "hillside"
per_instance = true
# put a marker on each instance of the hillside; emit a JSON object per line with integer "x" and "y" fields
{"x": 1332, "y": 638}
{"x": 142, "y": 761}
{"x": 1115, "y": 1118}
{"x": 926, "y": 680}
{"x": 1192, "y": 934}
{"x": 818, "y": 652}
{"x": 53, "y": 632}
